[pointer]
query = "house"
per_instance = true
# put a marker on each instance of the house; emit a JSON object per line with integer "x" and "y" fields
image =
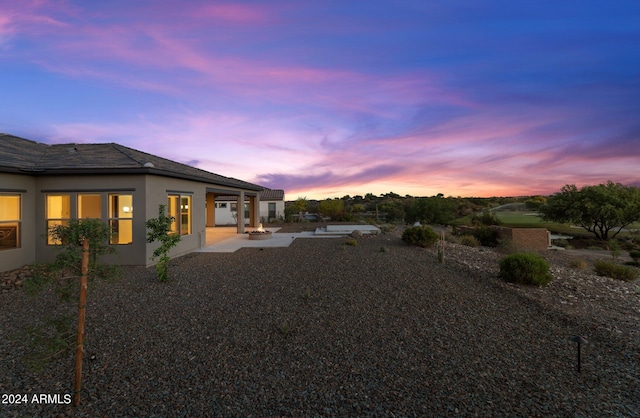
{"x": 45, "y": 185}
{"x": 271, "y": 207}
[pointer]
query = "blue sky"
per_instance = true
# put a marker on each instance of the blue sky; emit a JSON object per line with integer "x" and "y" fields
{"x": 325, "y": 99}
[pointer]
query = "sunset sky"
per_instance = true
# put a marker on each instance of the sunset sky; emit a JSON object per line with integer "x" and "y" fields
{"x": 328, "y": 98}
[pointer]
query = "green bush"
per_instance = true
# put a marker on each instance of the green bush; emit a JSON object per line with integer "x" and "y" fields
{"x": 486, "y": 236}
{"x": 422, "y": 236}
{"x": 615, "y": 271}
{"x": 635, "y": 254}
{"x": 469, "y": 241}
{"x": 524, "y": 268}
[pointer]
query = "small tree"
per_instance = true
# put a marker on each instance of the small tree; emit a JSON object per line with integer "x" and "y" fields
{"x": 598, "y": 209}
{"x": 295, "y": 208}
{"x": 82, "y": 242}
{"x": 159, "y": 229}
{"x": 69, "y": 238}
{"x": 333, "y": 208}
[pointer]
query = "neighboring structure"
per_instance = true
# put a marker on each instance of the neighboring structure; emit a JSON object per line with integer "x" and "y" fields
{"x": 532, "y": 239}
{"x": 271, "y": 208}
{"x": 44, "y": 185}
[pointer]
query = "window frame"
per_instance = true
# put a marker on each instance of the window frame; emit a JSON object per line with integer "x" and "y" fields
{"x": 114, "y": 217}
{"x": 180, "y": 207}
{"x": 17, "y": 223}
{"x": 51, "y": 222}
{"x": 271, "y": 210}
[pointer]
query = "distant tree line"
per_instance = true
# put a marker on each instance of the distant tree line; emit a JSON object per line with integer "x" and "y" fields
{"x": 604, "y": 210}
{"x": 391, "y": 207}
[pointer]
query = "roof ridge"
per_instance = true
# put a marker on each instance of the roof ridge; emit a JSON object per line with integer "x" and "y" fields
{"x": 120, "y": 149}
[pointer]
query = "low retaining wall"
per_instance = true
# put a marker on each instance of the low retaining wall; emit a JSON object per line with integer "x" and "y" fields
{"x": 525, "y": 238}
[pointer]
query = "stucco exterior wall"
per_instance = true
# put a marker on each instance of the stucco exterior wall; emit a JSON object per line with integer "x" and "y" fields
{"x": 25, "y": 186}
{"x": 157, "y": 192}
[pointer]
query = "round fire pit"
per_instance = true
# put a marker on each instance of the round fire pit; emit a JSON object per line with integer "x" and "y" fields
{"x": 260, "y": 235}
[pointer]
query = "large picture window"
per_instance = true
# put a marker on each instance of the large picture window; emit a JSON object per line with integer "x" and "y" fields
{"x": 179, "y": 207}
{"x": 58, "y": 213}
{"x": 121, "y": 218}
{"x": 62, "y": 207}
{"x": 10, "y": 220}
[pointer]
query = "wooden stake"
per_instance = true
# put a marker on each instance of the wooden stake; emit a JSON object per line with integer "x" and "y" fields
{"x": 81, "y": 311}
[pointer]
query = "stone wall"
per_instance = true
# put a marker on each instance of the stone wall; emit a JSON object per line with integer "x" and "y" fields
{"x": 10, "y": 280}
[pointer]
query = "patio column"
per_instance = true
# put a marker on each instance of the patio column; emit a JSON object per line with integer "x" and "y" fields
{"x": 240, "y": 213}
{"x": 211, "y": 209}
{"x": 254, "y": 207}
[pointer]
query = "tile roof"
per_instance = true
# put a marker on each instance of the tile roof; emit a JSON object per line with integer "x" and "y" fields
{"x": 19, "y": 154}
{"x": 272, "y": 194}
{"x": 265, "y": 195}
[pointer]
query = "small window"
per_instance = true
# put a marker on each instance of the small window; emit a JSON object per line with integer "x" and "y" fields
{"x": 272, "y": 210}
{"x": 10, "y": 220}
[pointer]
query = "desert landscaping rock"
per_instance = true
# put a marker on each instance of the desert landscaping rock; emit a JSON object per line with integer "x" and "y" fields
{"x": 323, "y": 329}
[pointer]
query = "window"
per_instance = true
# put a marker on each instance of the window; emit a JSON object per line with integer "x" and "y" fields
{"x": 185, "y": 215}
{"x": 272, "y": 210}
{"x": 10, "y": 219}
{"x": 58, "y": 213}
{"x": 221, "y": 205}
{"x": 89, "y": 206}
{"x": 234, "y": 207}
{"x": 121, "y": 218}
{"x": 179, "y": 207}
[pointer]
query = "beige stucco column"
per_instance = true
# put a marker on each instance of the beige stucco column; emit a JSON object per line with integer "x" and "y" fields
{"x": 241, "y": 213}
{"x": 211, "y": 209}
{"x": 254, "y": 208}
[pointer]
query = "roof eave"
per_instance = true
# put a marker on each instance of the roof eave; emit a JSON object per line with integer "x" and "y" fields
{"x": 136, "y": 171}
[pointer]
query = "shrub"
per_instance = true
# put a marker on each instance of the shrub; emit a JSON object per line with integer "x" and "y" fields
{"x": 524, "y": 268}
{"x": 387, "y": 228}
{"x": 159, "y": 229}
{"x": 578, "y": 263}
{"x": 485, "y": 219}
{"x": 469, "y": 241}
{"x": 615, "y": 271}
{"x": 635, "y": 254}
{"x": 422, "y": 236}
{"x": 351, "y": 241}
{"x": 487, "y": 237}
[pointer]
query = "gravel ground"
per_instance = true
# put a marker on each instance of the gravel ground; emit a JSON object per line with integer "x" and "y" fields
{"x": 324, "y": 329}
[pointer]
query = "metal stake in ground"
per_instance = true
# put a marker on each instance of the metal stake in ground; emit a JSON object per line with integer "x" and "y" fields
{"x": 579, "y": 340}
{"x": 81, "y": 309}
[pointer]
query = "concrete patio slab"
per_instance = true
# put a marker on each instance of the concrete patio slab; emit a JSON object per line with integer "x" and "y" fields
{"x": 347, "y": 229}
{"x": 235, "y": 242}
